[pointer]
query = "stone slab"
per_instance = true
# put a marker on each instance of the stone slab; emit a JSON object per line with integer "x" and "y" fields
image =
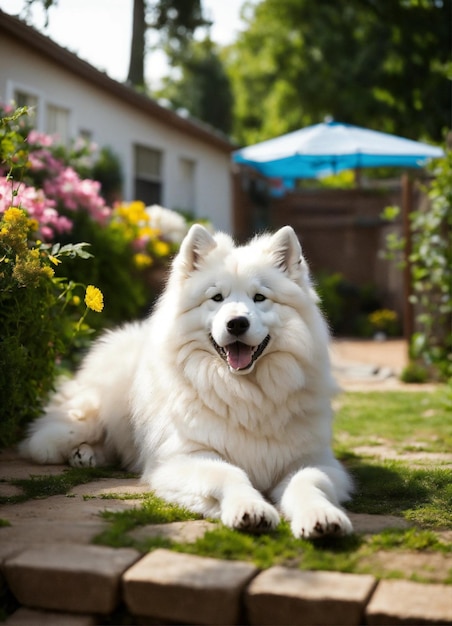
{"x": 286, "y": 596}
{"x": 30, "y": 617}
{"x": 431, "y": 567}
{"x": 111, "y": 487}
{"x": 179, "y": 532}
{"x": 64, "y": 508}
{"x": 67, "y": 577}
{"x": 13, "y": 467}
{"x": 45, "y": 532}
{"x": 373, "y": 524}
{"x": 186, "y": 588}
{"x": 405, "y": 602}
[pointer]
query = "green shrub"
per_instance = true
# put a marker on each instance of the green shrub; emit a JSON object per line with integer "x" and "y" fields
{"x": 38, "y": 320}
{"x": 112, "y": 268}
{"x": 431, "y": 270}
{"x": 414, "y": 373}
{"x": 41, "y": 315}
{"x": 345, "y": 305}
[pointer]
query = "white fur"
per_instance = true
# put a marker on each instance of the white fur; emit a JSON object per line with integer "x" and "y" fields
{"x": 242, "y": 444}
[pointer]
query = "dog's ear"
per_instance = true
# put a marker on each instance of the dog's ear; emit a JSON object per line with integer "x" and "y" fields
{"x": 196, "y": 245}
{"x": 286, "y": 250}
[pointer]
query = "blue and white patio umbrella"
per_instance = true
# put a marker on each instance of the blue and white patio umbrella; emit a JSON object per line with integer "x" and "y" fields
{"x": 331, "y": 147}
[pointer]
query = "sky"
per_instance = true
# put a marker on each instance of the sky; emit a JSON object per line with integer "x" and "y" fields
{"x": 99, "y": 31}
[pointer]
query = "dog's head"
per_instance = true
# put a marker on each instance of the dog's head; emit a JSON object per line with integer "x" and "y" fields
{"x": 238, "y": 303}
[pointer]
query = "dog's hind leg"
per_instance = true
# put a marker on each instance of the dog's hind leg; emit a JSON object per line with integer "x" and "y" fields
{"x": 85, "y": 455}
{"x": 70, "y": 422}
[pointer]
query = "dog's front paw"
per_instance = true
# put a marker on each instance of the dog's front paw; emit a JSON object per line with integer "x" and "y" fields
{"x": 82, "y": 456}
{"x": 321, "y": 521}
{"x": 250, "y": 516}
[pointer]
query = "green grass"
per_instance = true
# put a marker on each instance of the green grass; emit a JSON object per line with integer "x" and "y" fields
{"x": 417, "y": 420}
{"x": 422, "y": 496}
{"x": 45, "y": 486}
{"x": 153, "y": 510}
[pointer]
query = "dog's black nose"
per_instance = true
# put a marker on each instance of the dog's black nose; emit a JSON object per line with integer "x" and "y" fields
{"x": 238, "y": 325}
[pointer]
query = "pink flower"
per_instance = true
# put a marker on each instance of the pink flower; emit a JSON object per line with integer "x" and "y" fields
{"x": 73, "y": 194}
{"x": 37, "y": 205}
{"x": 41, "y": 139}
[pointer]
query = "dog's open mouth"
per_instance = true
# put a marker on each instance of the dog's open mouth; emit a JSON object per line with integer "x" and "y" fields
{"x": 238, "y": 355}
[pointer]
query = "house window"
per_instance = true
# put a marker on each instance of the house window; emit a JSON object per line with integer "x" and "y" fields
{"x": 186, "y": 192}
{"x": 25, "y": 99}
{"x": 148, "y": 175}
{"x": 85, "y": 134}
{"x": 57, "y": 123}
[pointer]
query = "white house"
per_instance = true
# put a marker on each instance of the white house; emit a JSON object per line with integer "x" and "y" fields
{"x": 166, "y": 159}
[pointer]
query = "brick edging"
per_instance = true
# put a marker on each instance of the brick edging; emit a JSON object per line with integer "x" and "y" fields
{"x": 166, "y": 585}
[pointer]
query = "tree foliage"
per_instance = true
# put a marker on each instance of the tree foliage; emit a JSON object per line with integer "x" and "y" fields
{"x": 202, "y": 86}
{"x": 383, "y": 64}
{"x": 175, "y": 22}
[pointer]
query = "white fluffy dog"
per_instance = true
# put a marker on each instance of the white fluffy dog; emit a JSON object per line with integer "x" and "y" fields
{"x": 221, "y": 398}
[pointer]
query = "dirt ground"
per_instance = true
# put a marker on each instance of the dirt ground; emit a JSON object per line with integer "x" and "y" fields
{"x": 369, "y": 365}
{"x": 391, "y": 353}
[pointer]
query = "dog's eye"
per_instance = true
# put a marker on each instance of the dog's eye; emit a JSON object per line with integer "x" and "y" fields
{"x": 259, "y": 297}
{"x": 218, "y": 297}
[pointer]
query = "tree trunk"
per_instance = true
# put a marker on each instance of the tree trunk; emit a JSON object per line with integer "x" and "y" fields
{"x": 137, "y": 50}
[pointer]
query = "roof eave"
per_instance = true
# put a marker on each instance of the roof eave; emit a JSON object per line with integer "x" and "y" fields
{"x": 62, "y": 57}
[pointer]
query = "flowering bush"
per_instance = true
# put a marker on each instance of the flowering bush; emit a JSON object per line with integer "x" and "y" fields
{"x": 38, "y": 319}
{"x": 384, "y": 321}
{"x": 138, "y": 225}
{"x": 54, "y": 185}
{"x": 40, "y": 314}
{"x": 48, "y": 223}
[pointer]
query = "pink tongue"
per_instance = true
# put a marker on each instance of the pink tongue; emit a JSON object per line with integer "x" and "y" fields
{"x": 239, "y": 355}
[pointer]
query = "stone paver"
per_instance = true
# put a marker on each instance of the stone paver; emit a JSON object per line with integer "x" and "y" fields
{"x": 7, "y": 490}
{"x": 433, "y": 567}
{"x": 404, "y": 602}
{"x": 415, "y": 459}
{"x": 30, "y": 617}
{"x": 63, "y": 508}
{"x": 14, "y": 468}
{"x": 80, "y": 579}
{"x": 372, "y": 524}
{"x": 180, "y": 532}
{"x": 109, "y": 487}
{"x": 186, "y": 588}
{"x": 22, "y": 534}
{"x": 285, "y": 596}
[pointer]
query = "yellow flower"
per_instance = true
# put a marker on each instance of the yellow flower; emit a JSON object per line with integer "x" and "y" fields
{"x": 142, "y": 260}
{"x": 75, "y": 300}
{"x": 94, "y": 299}
{"x": 161, "y": 248}
{"x": 54, "y": 260}
{"x": 383, "y": 318}
{"x": 133, "y": 213}
{"x": 48, "y": 271}
{"x": 147, "y": 231}
{"x": 13, "y": 215}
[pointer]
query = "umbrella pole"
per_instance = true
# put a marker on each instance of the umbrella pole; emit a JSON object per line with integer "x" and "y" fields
{"x": 407, "y": 206}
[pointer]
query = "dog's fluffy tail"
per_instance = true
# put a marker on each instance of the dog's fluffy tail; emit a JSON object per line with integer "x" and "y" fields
{"x": 93, "y": 407}
{"x": 70, "y": 419}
